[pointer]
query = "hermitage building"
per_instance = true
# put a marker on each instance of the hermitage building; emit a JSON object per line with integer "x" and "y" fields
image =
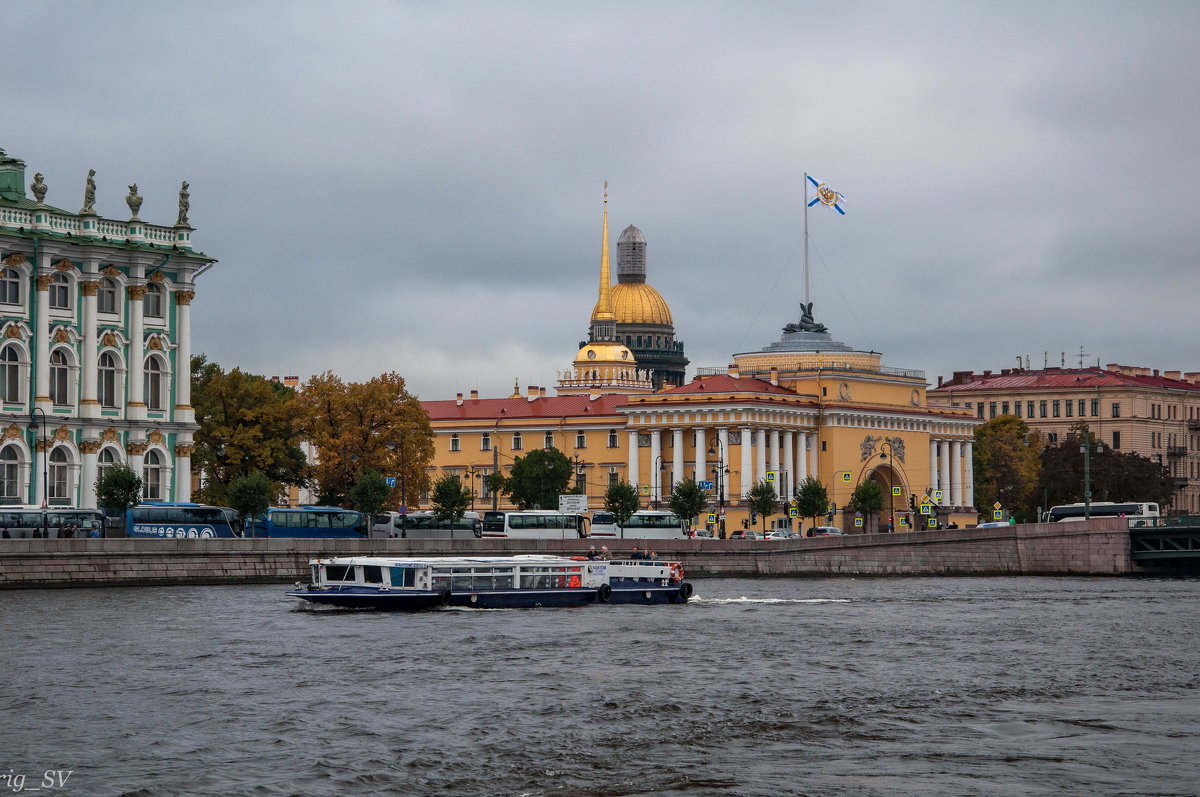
{"x": 95, "y": 344}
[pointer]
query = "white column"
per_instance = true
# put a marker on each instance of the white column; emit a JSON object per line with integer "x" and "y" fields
{"x": 956, "y": 479}
{"x": 42, "y": 345}
{"x": 944, "y": 472}
{"x": 801, "y": 456}
{"x": 183, "y": 473}
{"x": 969, "y": 473}
{"x": 814, "y": 456}
{"x": 701, "y": 461}
{"x": 87, "y": 476}
{"x": 655, "y": 467}
{"x": 774, "y": 461}
{"x": 89, "y": 407}
{"x": 137, "y": 356}
{"x": 789, "y": 465}
{"x": 136, "y": 453}
{"x": 39, "y": 468}
{"x": 676, "y": 458}
{"x": 747, "y": 475}
{"x": 933, "y": 466}
{"x": 760, "y": 456}
{"x": 723, "y": 461}
{"x": 632, "y": 472}
{"x": 183, "y": 357}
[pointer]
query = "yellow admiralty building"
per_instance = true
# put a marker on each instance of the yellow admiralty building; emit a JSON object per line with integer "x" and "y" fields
{"x": 803, "y": 405}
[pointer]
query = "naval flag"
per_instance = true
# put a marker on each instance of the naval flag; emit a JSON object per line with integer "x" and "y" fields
{"x": 820, "y": 192}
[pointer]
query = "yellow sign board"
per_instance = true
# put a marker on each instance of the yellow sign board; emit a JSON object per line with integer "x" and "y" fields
{"x": 712, "y": 517}
{"x": 896, "y": 490}
{"x": 845, "y": 475}
{"x": 644, "y": 489}
{"x": 924, "y": 509}
{"x": 770, "y": 476}
{"x": 858, "y": 522}
{"x": 998, "y": 515}
{"x": 793, "y": 512}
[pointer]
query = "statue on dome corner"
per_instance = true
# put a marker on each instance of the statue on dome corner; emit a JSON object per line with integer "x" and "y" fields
{"x": 807, "y": 323}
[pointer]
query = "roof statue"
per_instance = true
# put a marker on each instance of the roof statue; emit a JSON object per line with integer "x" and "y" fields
{"x": 807, "y": 323}
{"x": 133, "y": 200}
{"x": 38, "y": 187}
{"x": 184, "y": 204}
{"x": 89, "y": 194}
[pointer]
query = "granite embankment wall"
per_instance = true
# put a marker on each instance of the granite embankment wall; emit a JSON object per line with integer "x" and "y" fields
{"x": 1098, "y": 548}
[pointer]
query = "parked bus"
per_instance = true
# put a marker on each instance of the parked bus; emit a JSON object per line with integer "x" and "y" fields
{"x": 424, "y": 526}
{"x": 535, "y": 524}
{"x": 1139, "y": 514}
{"x": 645, "y": 525}
{"x": 28, "y": 522}
{"x": 181, "y": 520}
{"x": 309, "y": 521}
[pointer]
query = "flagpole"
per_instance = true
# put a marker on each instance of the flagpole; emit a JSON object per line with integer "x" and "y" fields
{"x": 805, "y": 200}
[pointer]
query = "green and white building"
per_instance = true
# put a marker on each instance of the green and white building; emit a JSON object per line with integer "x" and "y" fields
{"x": 95, "y": 345}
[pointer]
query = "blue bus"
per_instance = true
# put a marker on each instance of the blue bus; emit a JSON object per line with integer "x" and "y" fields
{"x": 309, "y": 521}
{"x": 181, "y": 520}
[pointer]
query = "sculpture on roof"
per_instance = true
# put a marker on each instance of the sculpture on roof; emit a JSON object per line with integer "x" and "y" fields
{"x": 133, "y": 200}
{"x": 38, "y": 188}
{"x": 184, "y": 205}
{"x": 807, "y": 323}
{"x": 89, "y": 193}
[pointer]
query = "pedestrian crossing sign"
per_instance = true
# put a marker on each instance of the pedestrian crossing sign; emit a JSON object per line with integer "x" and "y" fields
{"x": 712, "y": 518}
{"x": 924, "y": 509}
{"x": 858, "y": 522}
{"x": 998, "y": 514}
{"x": 793, "y": 512}
{"x": 845, "y": 475}
{"x": 644, "y": 489}
{"x": 770, "y": 476}
{"x": 896, "y": 490}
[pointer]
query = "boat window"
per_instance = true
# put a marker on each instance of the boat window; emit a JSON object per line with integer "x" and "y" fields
{"x": 404, "y": 576}
{"x": 372, "y": 574}
{"x": 339, "y": 573}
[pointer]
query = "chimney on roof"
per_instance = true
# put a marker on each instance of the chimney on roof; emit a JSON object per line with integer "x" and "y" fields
{"x": 774, "y": 375}
{"x": 274, "y": 379}
{"x": 1156, "y": 372}
{"x": 474, "y": 395}
{"x": 533, "y": 392}
{"x": 939, "y": 381}
{"x": 734, "y": 371}
{"x": 962, "y": 377}
{"x": 1172, "y": 374}
{"x": 541, "y": 392}
{"x": 458, "y": 399}
{"x": 292, "y": 381}
{"x": 594, "y": 394}
{"x": 1005, "y": 371}
{"x": 1192, "y": 377}
{"x": 986, "y": 374}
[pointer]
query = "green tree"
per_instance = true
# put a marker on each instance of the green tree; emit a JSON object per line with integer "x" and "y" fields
{"x": 1115, "y": 475}
{"x": 621, "y": 500}
{"x": 538, "y": 479}
{"x": 370, "y": 492}
{"x": 118, "y": 489}
{"x": 247, "y": 425}
{"x": 687, "y": 500}
{"x": 376, "y": 425}
{"x": 812, "y": 499}
{"x": 450, "y": 498}
{"x": 1007, "y": 465}
{"x": 764, "y": 501}
{"x": 250, "y": 495}
{"x": 867, "y": 499}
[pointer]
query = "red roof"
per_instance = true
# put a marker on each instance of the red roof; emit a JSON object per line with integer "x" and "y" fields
{"x": 1058, "y": 379}
{"x": 540, "y": 407}
{"x": 724, "y": 383}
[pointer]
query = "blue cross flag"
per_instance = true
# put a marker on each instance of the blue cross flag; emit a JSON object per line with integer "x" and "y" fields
{"x": 819, "y": 192}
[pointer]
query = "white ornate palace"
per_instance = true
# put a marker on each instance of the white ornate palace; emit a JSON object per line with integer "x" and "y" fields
{"x": 95, "y": 346}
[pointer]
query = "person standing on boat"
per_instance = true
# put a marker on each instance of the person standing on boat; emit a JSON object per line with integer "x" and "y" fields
{"x": 592, "y": 554}
{"x": 604, "y": 554}
{"x": 634, "y": 554}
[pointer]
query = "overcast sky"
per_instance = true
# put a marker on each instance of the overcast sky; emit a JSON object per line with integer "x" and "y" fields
{"x": 417, "y": 186}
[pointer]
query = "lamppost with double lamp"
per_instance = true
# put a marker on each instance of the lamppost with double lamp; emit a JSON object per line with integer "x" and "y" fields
{"x": 1086, "y": 450}
{"x": 891, "y": 508}
{"x": 659, "y": 466}
{"x": 33, "y": 424}
{"x": 474, "y": 476}
{"x": 721, "y": 472}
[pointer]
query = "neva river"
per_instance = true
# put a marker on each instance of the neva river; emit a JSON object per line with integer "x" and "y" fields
{"x": 898, "y": 686}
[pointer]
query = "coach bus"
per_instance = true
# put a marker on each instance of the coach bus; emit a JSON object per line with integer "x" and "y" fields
{"x": 309, "y": 521}
{"x": 28, "y": 522}
{"x": 1139, "y": 514}
{"x": 534, "y": 525}
{"x": 424, "y": 526}
{"x": 645, "y": 525}
{"x": 181, "y": 520}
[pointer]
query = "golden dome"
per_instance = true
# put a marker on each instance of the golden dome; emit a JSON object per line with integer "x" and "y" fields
{"x": 638, "y": 303}
{"x": 604, "y": 352}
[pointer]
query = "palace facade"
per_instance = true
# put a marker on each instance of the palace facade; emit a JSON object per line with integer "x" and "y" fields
{"x": 95, "y": 345}
{"x": 803, "y": 405}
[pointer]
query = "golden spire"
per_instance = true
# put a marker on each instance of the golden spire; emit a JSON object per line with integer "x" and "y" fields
{"x": 603, "y": 310}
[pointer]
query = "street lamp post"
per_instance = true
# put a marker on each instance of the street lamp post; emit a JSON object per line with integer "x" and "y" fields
{"x": 659, "y": 466}
{"x": 471, "y": 486}
{"x": 1086, "y": 449}
{"x": 33, "y": 424}
{"x": 715, "y": 449}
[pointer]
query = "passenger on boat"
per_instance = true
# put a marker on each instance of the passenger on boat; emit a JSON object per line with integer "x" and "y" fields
{"x": 592, "y": 553}
{"x": 604, "y": 554}
{"x": 635, "y": 554}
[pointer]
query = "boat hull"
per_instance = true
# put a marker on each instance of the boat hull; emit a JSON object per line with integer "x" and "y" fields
{"x": 394, "y": 600}
{"x": 649, "y": 594}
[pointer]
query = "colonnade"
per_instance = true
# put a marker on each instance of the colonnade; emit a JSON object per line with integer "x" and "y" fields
{"x": 952, "y": 470}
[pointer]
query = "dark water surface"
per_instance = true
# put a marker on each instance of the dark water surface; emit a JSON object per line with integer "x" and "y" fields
{"x": 929, "y": 686}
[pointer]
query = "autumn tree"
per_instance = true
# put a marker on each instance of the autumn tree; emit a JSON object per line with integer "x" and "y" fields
{"x": 376, "y": 425}
{"x": 537, "y": 479}
{"x": 621, "y": 500}
{"x": 1007, "y": 465}
{"x": 247, "y": 425}
{"x": 687, "y": 500}
{"x": 1114, "y": 475}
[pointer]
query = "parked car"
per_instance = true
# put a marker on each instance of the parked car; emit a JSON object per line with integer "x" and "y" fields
{"x": 700, "y": 534}
{"x": 743, "y": 534}
{"x": 991, "y": 524}
{"x": 826, "y": 531}
{"x": 779, "y": 535}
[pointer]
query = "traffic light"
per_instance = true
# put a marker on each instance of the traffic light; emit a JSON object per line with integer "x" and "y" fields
{"x": 753, "y": 518}
{"x": 912, "y": 501}
{"x": 832, "y": 511}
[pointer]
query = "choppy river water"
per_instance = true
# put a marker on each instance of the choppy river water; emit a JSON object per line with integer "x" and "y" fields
{"x": 930, "y": 686}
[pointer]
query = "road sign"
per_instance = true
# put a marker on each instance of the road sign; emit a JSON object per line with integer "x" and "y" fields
{"x": 937, "y": 495}
{"x": 771, "y": 476}
{"x": 403, "y": 510}
{"x": 845, "y": 475}
{"x": 998, "y": 514}
{"x": 932, "y": 522}
{"x": 706, "y": 485}
{"x": 858, "y": 522}
{"x": 896, "y": 490}
{"x": 924, "y": 509}
{"x": 903, "y": 520}
{"x": 572, "y": 503}
{"x": 391, "y": 481}
{"x": 793, "y": 512}
{"x": 997, "y": 505}
{"x": 644, "y": 489}
{"x": 712, "y": 518}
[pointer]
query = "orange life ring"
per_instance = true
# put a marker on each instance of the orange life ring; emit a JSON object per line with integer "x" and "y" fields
{"x": 676, "y": 571}
{"x": 574, "y": 581}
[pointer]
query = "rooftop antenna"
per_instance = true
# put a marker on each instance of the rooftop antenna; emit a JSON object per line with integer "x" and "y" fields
{"x": 1026, "y": 362}
{"x": 1045, "y": 359}
{"x": 1081, "y": 356}
{"x": 1062, "y": 359}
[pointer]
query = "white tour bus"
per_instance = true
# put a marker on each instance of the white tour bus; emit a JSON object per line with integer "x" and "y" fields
{"x": 537, "y": 524}
{"x": 648, "y": 524}
{"x": 1139, "y": 514}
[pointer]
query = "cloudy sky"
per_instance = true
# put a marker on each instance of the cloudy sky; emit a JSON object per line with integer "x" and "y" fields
{"x": 417, "y": 186}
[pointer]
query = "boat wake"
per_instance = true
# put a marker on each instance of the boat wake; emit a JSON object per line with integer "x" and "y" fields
{"x": 766, "y": 601}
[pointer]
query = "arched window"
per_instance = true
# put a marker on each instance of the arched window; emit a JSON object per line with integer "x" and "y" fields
{"x": 60, "y": 473}
{"x": 10, "y": 474}
{"x": 60, "y": 378}
{"x": 106, "y": 297}
{"x": 60, "y": 292}
{"x": 154, "y": 384}
{"x": 10, "y": 373}
{"x": 10, "y": 286}
{"x": 108, "y": 457}
{"x": 152, "y": 304}
{"x": 152, "y": 476}
{"x": 107, "y": 386}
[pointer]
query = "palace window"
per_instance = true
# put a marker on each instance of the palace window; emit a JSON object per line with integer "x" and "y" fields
{"x": 1042, "y": 409}
{"x": 107, "y": 459}
{"x": 152, "y": 473}
{"x": 1070, "y": 408}
{"x": 60, "y": 470}
{"x": 1116, "y": 440}
{"x": 1095, "y": 407}
{"x": 1116, "y": 409}
{"x": 991, "y": 409}
{"x": 1052, "y": 438}
{"x": 454, "y": 442}
{"x": 1004, "y": 408}
{"x": 10, "y": 472}
{"x": 1017, "y": 407}
{"x": 485, "y": 442}
{"x": 1056, "y": 409}
{"x": 107, "y": 383}
{"x": 580, "y": 440}
{"x": 1082, "y": 407}
{"x": 106, "y": 296}
{"x": 60, "y": 378}
{"x": 979, "y": 410}
{"x": 60, "y": 292}
{"x": 10, "y": 286}
{"x": 516, "y": 441}
{"x": 1028, "y": 409}
{"x": 152, "y": 304}
{"x": 10, "y": 374}
{"x": 612, "y": 438}
{"x": 548, "y": 440}
{"x": 614, "y": 478}
{"x": 154, "y": 383}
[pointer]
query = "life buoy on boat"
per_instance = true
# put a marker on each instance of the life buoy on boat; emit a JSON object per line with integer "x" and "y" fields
{"x": 574, "y": 582}
{"x": 676, "y": 572}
